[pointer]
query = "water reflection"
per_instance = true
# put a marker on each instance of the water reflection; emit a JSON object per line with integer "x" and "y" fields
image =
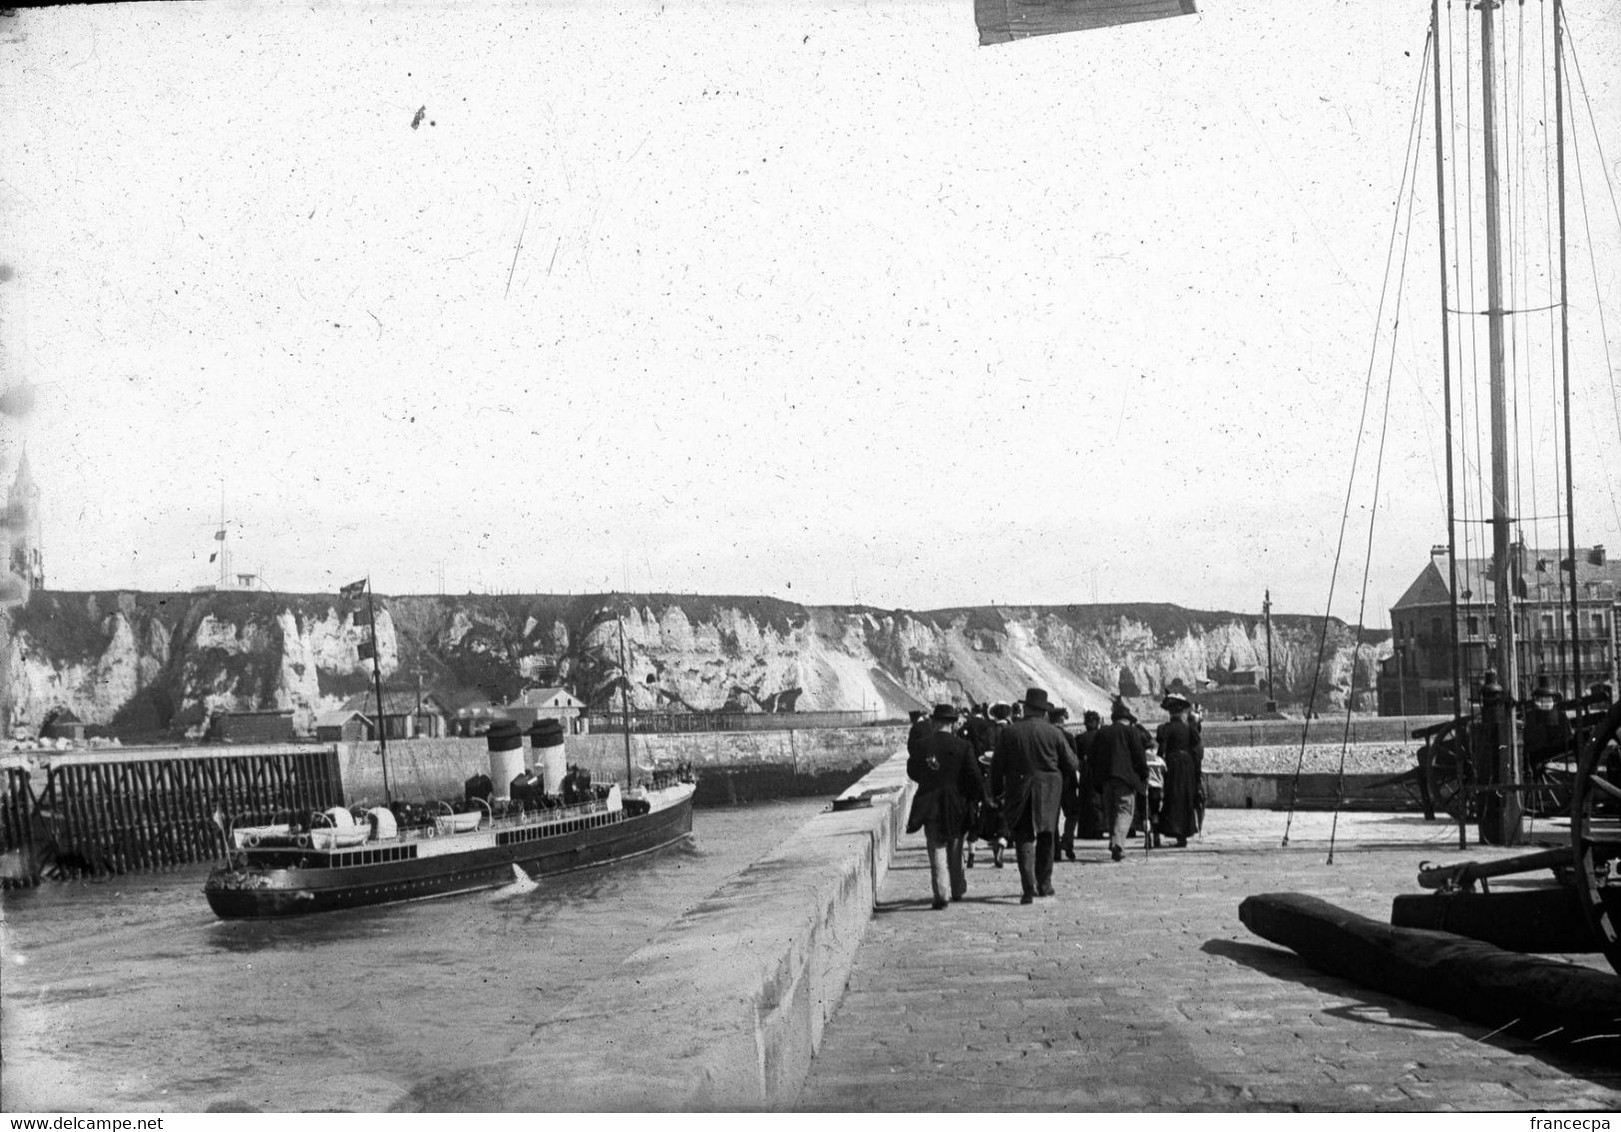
{"x": 128, "y": 994}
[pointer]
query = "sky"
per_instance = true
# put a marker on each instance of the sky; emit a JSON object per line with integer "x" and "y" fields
{"x": 816, "y": 300}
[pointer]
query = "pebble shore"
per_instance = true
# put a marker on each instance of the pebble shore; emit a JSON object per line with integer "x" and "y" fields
{"x": 1319, "y": 758}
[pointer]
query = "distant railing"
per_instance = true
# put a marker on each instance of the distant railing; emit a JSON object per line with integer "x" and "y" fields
{"x": 647, "y": 722}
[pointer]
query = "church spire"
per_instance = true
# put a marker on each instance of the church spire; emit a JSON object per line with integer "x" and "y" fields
{"x": 20, "y": 537}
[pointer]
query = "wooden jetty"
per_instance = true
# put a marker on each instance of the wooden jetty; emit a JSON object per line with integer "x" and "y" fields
{"x": 125, "y": 809}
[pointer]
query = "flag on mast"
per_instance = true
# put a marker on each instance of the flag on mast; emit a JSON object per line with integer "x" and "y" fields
{"x": 1003, "y": 21}
{"x": 353, "y": 589}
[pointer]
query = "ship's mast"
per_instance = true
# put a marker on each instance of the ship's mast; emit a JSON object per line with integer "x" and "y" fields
{"x": 1271, "y": 688}
{"x": 377, "y": 683}
{"x": 1507, "y": 753}
{"x": 624, "y": 703}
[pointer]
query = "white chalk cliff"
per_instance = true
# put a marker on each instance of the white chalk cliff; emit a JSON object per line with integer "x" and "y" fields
{"x": 140, "y": 663}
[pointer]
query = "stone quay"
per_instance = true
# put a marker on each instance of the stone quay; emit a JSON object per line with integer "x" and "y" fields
{"x": 819, "y": 979}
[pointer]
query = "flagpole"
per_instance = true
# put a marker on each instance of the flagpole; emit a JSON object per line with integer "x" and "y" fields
{"x": 377, "y": 682}
{"x": 624, "y": 703}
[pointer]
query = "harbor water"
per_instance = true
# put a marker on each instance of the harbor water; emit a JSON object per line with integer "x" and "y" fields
{"x": 128, "y": 995}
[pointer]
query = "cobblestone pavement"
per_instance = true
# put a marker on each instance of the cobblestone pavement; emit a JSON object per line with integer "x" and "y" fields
{"x": 1138, "y": 989}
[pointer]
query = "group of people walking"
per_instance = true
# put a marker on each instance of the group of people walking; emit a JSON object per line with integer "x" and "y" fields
{"x": 1004, "y": 775}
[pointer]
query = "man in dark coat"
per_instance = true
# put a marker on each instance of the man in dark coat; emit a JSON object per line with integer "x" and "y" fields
{"x": 1091, "y": 826}
{"x": 1027, "y": 773}
{"x": 992, "y": 830}
{"x": 1122, "y": 764}
{"x": 919, "y": 730}
{"x": 1070, "y": 805}
{"x": 948, "y": 782}
{"x": 1547, "y": 728}
{"x": 979, "y": 730}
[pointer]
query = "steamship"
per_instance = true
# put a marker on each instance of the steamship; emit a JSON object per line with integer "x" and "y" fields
{"x": 343, "y": 859}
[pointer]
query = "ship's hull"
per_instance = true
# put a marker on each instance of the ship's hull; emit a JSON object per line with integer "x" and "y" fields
{"x": 259, "y": 892}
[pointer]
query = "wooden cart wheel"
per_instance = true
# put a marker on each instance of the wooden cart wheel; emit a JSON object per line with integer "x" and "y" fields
{"x": 1595, "y": 839}
{"x": 1549, "y": 786}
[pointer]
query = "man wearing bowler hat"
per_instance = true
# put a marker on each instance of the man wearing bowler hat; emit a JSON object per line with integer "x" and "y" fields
{"x": 948, "y": 782}
{"x": 1123, "y": 766}
{"x": 1026, "y": 771}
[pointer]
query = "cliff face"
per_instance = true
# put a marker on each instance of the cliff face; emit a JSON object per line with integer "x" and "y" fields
{"x": 139, "y": 663}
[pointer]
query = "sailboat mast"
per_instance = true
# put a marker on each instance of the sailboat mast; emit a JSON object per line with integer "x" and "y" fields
{"x": 1564, "y": 345}
{"x": 1508, "y": 762}
{"x": 1446, "y": 377}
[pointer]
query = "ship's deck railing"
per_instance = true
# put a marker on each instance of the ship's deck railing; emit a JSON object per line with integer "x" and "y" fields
{"x": 430, "y": 831}
{"x": 513, "y": 821}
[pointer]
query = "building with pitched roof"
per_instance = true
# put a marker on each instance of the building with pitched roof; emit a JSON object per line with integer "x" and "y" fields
{"x": 1572, "y": 644}
{"x": 406, "y": 715}
{"x": 344, "y": 726}
{"x": 546, "y": 703}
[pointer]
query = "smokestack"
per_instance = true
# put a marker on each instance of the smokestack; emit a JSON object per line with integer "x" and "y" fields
{"x": 546, "y": 738}
{"x": 1596, "y": 555}
{"x": 505, "y": 743}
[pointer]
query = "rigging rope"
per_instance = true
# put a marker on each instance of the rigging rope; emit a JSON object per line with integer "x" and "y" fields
{"x": 1345, "y": 514}
{"x": 1581, "y": 186}
{"x": 1416, "y": 143}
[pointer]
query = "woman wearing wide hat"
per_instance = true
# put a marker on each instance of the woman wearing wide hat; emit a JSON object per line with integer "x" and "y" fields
{"x": 948, "y": 783}
{"x": 1183, "y": 752}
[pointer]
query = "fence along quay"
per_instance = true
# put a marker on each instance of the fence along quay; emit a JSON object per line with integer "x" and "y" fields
{"x": 125, "y": 810}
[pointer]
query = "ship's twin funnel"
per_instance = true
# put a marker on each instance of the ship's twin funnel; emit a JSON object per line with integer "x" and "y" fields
{"x": 505, "y": 741}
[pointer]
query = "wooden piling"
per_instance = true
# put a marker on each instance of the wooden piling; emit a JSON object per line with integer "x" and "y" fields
{"x": 127, "y": 805}
{"x": 74, "y": 801}
{"x": 106, "y": 826}
{"x": 140, "y": 811}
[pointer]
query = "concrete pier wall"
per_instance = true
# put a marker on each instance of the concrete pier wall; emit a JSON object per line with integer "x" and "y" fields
{"x": 729, "y": 1001}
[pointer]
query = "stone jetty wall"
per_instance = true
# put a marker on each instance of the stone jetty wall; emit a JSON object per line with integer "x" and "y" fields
{"x": 733, "y": 766}
{"x": 731, "y": 998}
{"x": 748, "y": 766}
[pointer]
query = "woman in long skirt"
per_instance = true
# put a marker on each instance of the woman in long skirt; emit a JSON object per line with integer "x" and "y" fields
{"x": 1183, "y": 752}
